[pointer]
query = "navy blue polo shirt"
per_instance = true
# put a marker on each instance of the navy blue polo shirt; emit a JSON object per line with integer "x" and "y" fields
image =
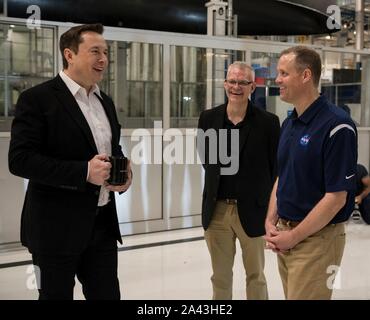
{"x": 317, "y": 154}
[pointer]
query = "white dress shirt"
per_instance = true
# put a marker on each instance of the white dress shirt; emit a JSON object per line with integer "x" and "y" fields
{"x": 96, "y": 117}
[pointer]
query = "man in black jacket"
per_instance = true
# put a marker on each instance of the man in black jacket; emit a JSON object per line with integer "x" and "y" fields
{"x": 236, "y": 193}
{"x": 61, "y": 137}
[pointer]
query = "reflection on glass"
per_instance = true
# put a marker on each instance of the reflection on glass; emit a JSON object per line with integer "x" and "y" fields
{"x": 134, "y": 81}
{"x": 345, "y": 77}
{"x": 26, "y": 59}
{"x": 266, "y": 95}
{"x": 264, "y": 65}
{"x": 197, "y": 77}
{"x": 341, "y": 81}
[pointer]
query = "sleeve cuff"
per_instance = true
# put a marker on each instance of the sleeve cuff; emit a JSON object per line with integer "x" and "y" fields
{"x": 88, "y": 171}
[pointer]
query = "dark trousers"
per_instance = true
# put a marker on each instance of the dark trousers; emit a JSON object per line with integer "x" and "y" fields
{"x": 95, "y": 267}
{"x": 365, "y": 209}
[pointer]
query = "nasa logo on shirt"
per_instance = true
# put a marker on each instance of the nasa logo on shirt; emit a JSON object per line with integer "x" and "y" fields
{"x": 305, "y": 140}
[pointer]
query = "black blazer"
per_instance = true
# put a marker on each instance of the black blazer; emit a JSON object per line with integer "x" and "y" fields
{"x": 257, "y": 167}
{"x": 51, "y": 144}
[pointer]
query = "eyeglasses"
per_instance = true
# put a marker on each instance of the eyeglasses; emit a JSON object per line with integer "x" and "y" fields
{"x": 242, "y": 83}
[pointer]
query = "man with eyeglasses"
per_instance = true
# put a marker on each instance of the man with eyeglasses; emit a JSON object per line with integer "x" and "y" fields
{"x": 235, "y": 205}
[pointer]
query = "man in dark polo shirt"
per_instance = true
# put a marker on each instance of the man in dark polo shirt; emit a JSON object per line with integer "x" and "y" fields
{"x": 236, "y": 194}
{"x": 315, "y": 190}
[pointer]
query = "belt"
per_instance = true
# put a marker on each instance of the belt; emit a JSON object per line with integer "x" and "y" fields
{"x": 289, "y": 223}
{"x": 229, "y": 201}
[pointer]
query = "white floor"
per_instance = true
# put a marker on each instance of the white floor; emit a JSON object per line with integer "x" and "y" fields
{"x": 182, "y": 270}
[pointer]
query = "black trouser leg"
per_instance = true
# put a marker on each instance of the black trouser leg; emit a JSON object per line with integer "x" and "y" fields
{"x": 55, "y": 274}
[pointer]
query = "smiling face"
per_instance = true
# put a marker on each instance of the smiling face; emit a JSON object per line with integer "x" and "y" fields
{"x": 290, "y": 80}
{"x": 87, "y": 66}
{"x": 238, "y": 90}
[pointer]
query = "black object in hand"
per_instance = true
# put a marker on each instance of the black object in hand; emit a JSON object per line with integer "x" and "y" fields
{"x": 118, "y": 172}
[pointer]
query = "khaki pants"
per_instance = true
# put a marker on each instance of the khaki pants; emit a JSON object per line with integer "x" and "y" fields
{"x": 220, "y": 236}
{"x": 308, "y": 270}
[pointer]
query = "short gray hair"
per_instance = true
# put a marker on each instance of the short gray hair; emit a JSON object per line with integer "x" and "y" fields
{"x": 241, "y": 65}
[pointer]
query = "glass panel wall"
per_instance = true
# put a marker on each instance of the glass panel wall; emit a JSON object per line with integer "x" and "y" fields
{"x": 134, "y": 81}
{"x": 197, "y": 77}
{"x": 344, "y": 77}
{"x": 266, "y": 95}
{"x": 27, "y": 58}
{"x": 134, "y": 77}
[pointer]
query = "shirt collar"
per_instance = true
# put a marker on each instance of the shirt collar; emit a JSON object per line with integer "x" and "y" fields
{"x": 311, "y": 111}
{"x": 246, "y": 116}
{"x": 74, "y": 87}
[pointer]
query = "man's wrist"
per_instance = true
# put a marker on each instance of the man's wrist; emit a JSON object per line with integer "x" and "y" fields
{"x": 271, "y": 220}
{"x": 296, "y": 236}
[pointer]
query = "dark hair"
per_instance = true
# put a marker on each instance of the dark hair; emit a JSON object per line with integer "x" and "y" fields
{"x": 306, "y": 58}
{"x": 71, "y": 39}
